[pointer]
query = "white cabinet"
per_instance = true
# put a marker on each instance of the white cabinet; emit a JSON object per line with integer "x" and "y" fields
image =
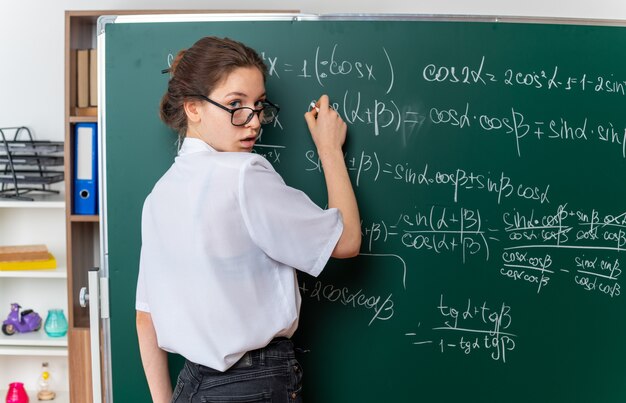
{"x": 38, "y": 222}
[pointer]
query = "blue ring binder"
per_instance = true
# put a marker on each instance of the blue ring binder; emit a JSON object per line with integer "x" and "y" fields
{"x": 85, "y": 197}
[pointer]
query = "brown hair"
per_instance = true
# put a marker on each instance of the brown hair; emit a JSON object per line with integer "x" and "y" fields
{"x": 198, "y": 70}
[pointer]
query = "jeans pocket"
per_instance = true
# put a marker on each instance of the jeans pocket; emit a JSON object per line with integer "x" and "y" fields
{"x": 253, "y": 398}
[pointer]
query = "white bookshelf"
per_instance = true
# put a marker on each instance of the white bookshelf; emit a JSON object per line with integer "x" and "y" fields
{"x": 60, "y": 272}
{"x": 56, "y": 201}
{"x": 34, "y": 339}
{"x": 33, "y": 351}
{"x": 41, "y": 221}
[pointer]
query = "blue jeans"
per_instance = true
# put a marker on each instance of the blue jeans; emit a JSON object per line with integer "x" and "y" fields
{"x": 271, "y": 374}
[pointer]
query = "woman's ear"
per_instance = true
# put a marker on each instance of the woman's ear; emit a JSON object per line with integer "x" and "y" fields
{"x": 192, "y": 110}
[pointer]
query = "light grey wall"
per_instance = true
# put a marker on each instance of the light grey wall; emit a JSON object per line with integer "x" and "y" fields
{"x": 32, "y": 39}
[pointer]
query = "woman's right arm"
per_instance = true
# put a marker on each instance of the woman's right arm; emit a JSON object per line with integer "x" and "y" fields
{"x": 154, "y": 360}
{"x": 329, "y": 133}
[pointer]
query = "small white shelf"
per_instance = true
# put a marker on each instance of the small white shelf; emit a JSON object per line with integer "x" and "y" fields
{"x": 40, "y": 201}
{"x": 33, "y": 351}
{"x": 38, "y": 338}
{"x": 59, "y": 272}
{"x": 26, "y": 343}
{"x": 61, "y": 397}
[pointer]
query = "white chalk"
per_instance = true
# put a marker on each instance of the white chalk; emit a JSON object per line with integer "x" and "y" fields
{"x": 314, "y": 106}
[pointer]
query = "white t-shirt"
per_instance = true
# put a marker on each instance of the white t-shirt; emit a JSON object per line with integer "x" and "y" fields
{"x": 221, "y": 236}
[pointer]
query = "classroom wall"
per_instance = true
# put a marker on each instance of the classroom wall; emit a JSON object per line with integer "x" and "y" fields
{"x": 32, "y": 39}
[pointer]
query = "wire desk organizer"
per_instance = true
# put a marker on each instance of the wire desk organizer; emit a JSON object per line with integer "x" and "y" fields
{"x": 28, "y": 164}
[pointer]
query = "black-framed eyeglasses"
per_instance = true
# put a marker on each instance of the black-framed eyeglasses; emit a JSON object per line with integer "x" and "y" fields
{"x": 243, "y": 115}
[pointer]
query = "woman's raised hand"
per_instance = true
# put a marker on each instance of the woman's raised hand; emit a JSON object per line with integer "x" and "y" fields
{"x": 327, "y": 128}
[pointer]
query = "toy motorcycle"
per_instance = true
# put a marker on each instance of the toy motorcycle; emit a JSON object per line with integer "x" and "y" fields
{"x": 22, "y": 322}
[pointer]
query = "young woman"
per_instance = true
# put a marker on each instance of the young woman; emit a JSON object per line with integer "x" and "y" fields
{"x": 223, "y": 236}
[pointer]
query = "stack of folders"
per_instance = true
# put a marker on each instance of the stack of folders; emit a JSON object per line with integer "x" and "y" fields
{"x": 86, "y": 82}
{"x": 26, "y": 257}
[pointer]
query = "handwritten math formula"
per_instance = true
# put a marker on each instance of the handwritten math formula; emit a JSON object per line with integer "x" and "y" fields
{"x": 594, "y": 241}
{"x": 372, "y": 166}
{"x": 330, "y": 61}
{"x": 471, "y": 328}
{"x": 546, "y": 78}
{"x": 526, "y": 244}
{"x": 384, "y": 114}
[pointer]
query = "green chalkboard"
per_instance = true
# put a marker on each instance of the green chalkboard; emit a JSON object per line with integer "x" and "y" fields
{"x": 488, "y": 160}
